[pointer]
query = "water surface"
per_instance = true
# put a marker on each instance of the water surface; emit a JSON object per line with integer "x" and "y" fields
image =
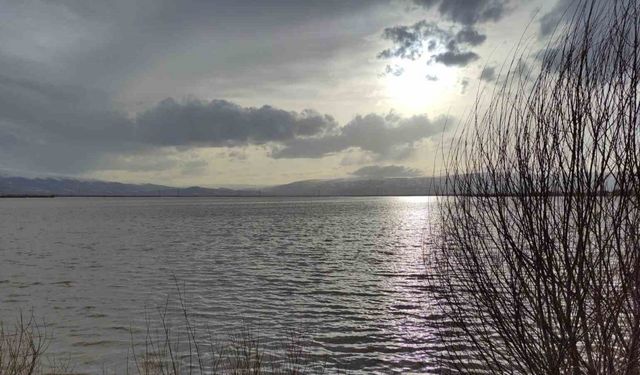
{"x": 347, "y": 271}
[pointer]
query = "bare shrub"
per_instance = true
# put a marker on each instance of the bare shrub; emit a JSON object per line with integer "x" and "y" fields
{"x": 22, "y": 347}
{"x": 539, "y": 263}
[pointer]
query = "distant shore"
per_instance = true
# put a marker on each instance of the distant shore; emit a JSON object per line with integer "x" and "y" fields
{"x": 27, "y": 196}
{"x": 600, "y": 194}
{"x": 209, "y": 196}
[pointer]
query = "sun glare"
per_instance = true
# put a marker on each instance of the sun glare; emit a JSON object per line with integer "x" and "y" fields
{"x": 420, "y": 87}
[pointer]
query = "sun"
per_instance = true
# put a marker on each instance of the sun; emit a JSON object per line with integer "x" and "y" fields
{"x": 419, "y": 87}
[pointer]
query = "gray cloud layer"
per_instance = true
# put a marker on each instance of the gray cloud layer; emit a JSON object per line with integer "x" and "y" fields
{"x": 68, "y": 129}
{"x": 468, "y": 12}
{"x": 387, "y": 137}
{"x": 82, "y": 82}
{"x": 565, "y": 10}
{"x": 552, "y": 19}
{"x": 106, "y": 43}
{"x": 72, "y": 113}
{"x": 386, "y": 171}
{"x": 222, "y": 123}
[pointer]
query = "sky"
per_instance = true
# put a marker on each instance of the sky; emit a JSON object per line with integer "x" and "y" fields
{"x": 249, "y": 93}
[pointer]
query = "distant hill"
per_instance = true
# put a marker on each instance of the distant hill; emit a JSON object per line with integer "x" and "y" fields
{"x": 360, "y": 186}
{"x": 61, "y": 186}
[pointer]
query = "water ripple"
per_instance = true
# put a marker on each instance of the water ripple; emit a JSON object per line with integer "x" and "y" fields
{"x": 347, "y": 271}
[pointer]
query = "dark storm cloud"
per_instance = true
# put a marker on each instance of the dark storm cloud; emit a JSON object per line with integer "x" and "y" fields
{"x": 468, "y": 12}
{"x": 387, "y": 137}
{"x": 222, "y": 123}
{"x": 386, "y": 171}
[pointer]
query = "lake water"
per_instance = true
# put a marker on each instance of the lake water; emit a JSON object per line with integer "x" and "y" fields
{"x": 348, "y": 272}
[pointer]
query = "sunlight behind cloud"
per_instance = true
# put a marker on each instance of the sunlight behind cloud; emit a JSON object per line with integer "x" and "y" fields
{"x": 420, "y": 87}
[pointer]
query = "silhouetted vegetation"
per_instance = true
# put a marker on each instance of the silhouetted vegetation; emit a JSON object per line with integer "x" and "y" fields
{"x": 169, "y": 347}
{"x": 22, "y": 347}
{"x": 540, "y": 269}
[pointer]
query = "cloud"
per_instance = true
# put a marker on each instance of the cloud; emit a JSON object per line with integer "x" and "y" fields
{"x": 394, "y": 70}
{"x": 59, "y": 128}
{"x": 464, "y": 84}
{"x": 445, "y": 46}
{"x": 488, "y": 74}
{"x": 141, "y": 52}
{"x": 565, "y": 25}
{"x": 387, "y": 171}
{"x": 468, "y": 12}
{"x": 552, "y": 19}
{"x": 84, "y": 83}
{"x": 470, "y": 36}
{"x": 221, "y": 123}
{"x": 408, "y": 41}
{"x": 453, "y": 58}
{"x": 70, "y": 111}
{"x": 564, "y": 11}
{"x": 67, "y": 129}
{"x": 388, "y": 137}
{"x": 74, "y": 113}
{"x": 107, "y": 44}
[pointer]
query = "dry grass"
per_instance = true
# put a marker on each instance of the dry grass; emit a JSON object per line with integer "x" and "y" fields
{"x": 176, "y": 347}
{"x": 190, "y": 347}
{"x": 242, "y": 354}
{"x": 22, "y": 348}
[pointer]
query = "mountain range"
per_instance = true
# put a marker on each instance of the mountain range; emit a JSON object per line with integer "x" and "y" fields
{"x": 65, "y": 186}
